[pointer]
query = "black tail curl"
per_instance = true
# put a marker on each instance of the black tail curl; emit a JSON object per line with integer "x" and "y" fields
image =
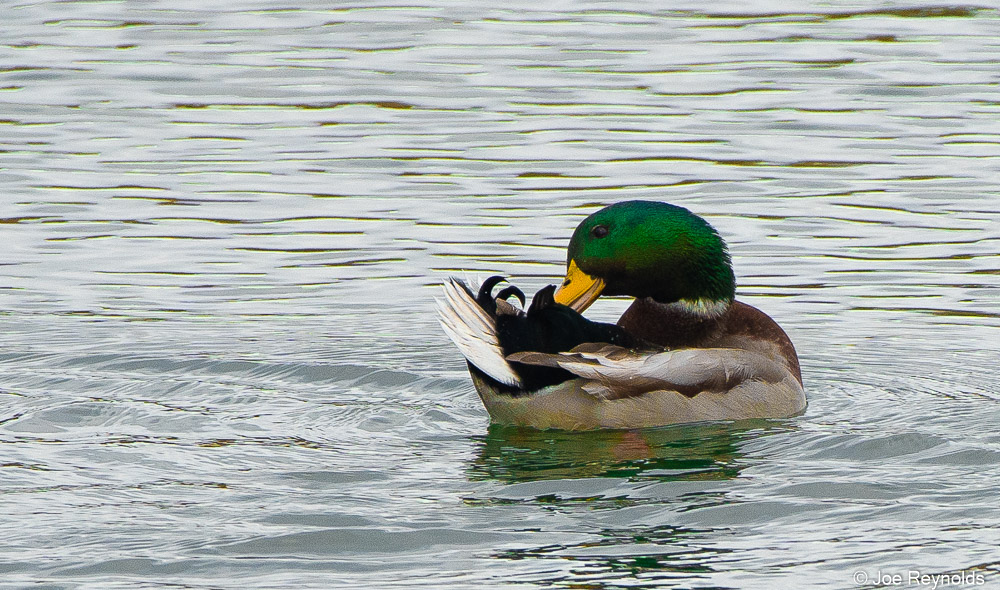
{"x": 547, "y": 326}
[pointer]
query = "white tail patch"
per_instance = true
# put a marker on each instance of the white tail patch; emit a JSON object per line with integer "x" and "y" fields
{"x": 474, "y": 333}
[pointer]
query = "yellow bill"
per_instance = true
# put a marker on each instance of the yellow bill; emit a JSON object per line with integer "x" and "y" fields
{"x": 579, "y": 289}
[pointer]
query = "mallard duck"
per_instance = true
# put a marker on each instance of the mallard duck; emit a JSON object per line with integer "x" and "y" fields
{"x": 684, "y": 351}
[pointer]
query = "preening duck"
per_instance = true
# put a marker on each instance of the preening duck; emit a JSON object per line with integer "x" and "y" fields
{"x": 684, "y": 351}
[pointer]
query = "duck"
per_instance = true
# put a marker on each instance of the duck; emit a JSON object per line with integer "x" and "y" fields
{"x": 684, "y": 351}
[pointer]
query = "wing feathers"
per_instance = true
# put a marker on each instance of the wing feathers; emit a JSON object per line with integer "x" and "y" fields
{"x": 614, "y": 372}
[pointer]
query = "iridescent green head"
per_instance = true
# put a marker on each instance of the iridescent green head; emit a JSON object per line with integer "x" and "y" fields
{"x": 647, "y": 249}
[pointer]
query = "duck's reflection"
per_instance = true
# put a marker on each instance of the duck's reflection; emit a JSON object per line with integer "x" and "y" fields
{"x": 698, "y": 451}
{"x": 633, "y": 541}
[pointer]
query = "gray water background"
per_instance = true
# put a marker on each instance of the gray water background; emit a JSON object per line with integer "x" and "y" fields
{"x": 224, "y": 226}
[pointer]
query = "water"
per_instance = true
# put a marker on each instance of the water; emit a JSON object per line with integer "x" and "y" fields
{"x": 224, "y": 227}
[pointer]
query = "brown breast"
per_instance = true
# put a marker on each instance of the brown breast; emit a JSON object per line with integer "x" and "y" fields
{"x": 743, "y": 326}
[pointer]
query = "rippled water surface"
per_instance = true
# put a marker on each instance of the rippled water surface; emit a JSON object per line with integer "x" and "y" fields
{"x": 225, "y": 224}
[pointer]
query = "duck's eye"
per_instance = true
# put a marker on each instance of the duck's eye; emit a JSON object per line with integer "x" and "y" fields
{"x": 599, "y": 231}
